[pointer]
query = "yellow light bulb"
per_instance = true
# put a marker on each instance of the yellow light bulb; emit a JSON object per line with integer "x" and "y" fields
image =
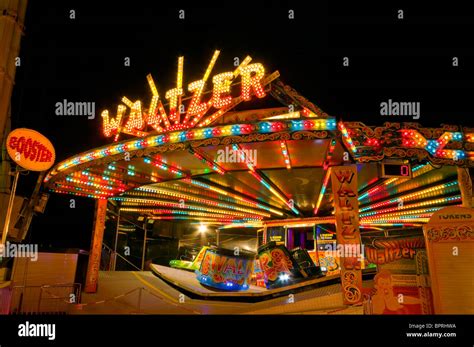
{"x": 252, "y": 76}
{"x": 196, "y": 107}
{"x": 221, "y": 86}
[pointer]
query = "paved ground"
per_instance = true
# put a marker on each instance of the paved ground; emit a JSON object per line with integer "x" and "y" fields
{"x": 126, "y": 292}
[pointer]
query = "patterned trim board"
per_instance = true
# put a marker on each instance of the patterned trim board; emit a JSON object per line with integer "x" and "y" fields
{"x": 186, "y": 281}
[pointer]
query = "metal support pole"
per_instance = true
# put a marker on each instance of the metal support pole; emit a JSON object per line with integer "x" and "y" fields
{"x": 256, "y": 243}
{"x": 116, "y": 240}
{"x": 6, "y": 226}
{"x": 316, "y": 245}
{"x": 217, "y": 237}
{"x": 39, "y": 300}
{"x": 144, "y": 245}
{"x": 95, "y": 253}
{"x": 139, "y": 299}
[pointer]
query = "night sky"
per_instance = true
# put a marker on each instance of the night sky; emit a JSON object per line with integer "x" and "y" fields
{"x": 82, "y": 59}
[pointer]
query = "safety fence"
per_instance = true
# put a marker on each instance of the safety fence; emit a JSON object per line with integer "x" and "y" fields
{"x": 51, "y": 299}
{"x": 66, "y": 299}
{"x": 137, "y": 306}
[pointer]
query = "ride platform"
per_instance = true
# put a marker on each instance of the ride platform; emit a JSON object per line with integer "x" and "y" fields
{"x": 186, "y": 282}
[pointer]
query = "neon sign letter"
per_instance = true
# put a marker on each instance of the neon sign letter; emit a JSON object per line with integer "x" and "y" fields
{"x": 253, "y": 83}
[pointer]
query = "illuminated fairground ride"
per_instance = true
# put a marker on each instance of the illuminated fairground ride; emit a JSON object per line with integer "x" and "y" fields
{"x": 207, "y": 158}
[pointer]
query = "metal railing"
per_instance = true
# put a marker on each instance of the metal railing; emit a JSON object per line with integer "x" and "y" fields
{"x": 138, "y": 305}
{"x": 113, "y": 256}
{"x": 55, "y": 298}
{"x": 107, "y": 258}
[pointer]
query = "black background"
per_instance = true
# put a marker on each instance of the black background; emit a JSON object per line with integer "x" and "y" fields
{"x": 243, "y": 331}
{"x": 82, "y": 59}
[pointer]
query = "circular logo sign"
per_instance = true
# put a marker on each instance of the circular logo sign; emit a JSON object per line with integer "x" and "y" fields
{"x": 31, "y": 150}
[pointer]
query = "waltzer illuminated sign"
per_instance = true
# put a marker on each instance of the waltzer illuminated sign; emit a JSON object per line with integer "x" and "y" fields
{"x": 198, "y": 112}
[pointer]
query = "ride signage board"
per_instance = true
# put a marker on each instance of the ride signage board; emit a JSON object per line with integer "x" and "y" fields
{"x": 401, "y": 170}
{"x": 344, "y": 186}
{"x": 30, "y": 150}
{"x": 449, "y": 238}
{"x": 200, "y": 111}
